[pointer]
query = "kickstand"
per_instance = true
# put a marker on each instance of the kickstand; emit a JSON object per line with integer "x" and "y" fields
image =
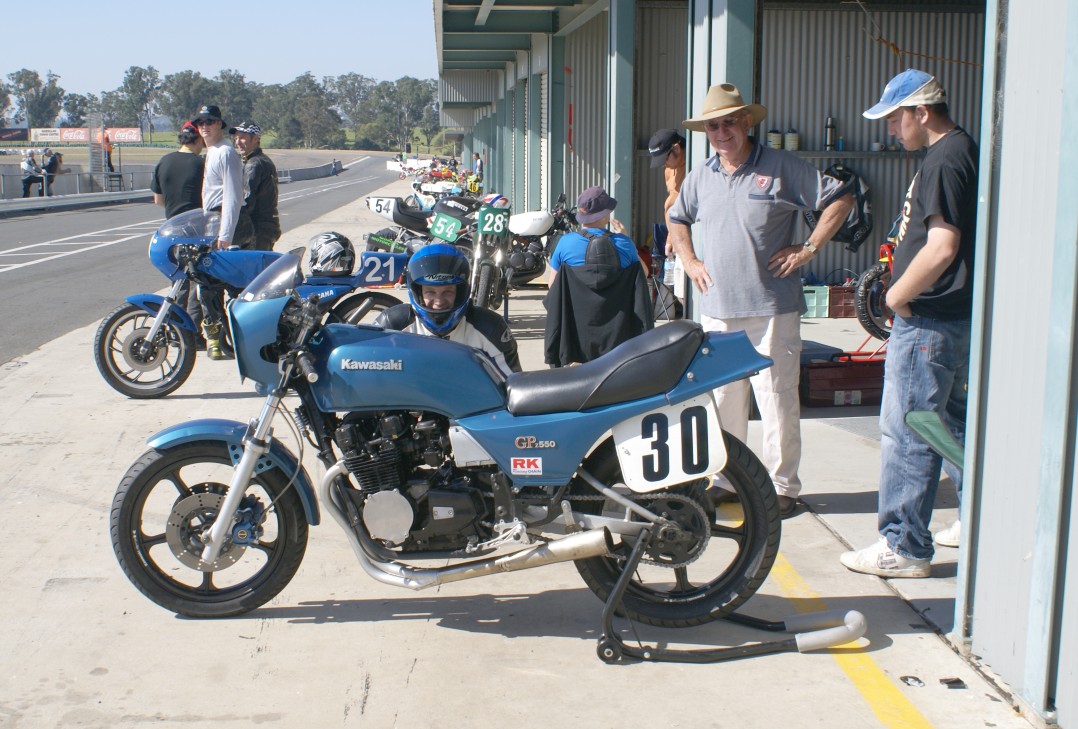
{"x": 813, "y": 630}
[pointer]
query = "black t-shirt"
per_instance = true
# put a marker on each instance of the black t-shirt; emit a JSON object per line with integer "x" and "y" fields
{"x": 946, "y": 185}
{"x": 178, "y": 176}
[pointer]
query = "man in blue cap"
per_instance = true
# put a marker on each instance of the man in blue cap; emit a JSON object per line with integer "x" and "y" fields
{"x": 931, "y": 294}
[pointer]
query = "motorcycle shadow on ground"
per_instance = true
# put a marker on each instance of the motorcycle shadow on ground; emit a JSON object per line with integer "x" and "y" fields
{"x": 576, "y": 613}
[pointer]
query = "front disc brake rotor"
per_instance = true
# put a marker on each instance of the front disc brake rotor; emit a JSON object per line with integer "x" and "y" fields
{"x": 191, "y": 518}
{"x": 140, "y": 353}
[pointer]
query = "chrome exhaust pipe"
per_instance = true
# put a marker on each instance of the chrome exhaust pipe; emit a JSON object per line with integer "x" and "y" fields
{"x": 591, "y": 543}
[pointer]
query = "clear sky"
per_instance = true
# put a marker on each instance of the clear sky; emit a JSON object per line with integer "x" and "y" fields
{"x": 90, "y": 46}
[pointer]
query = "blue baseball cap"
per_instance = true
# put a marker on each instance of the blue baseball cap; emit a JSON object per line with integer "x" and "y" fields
{"x": 909, "y": 88}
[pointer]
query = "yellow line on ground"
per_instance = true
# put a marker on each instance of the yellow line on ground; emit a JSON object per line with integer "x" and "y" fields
{"x": 891, "y": 707}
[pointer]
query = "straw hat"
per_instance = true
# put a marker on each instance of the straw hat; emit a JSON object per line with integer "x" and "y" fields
{"x": 723, "y": 100}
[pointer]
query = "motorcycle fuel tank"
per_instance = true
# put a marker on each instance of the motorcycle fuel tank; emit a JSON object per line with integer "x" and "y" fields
{"x": 538, "y": 222}
{"x": 366, "y": 368}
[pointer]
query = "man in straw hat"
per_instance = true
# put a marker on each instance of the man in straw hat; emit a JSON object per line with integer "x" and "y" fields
{"x": 747, "y": 202}
{"x": 931, "y": 293}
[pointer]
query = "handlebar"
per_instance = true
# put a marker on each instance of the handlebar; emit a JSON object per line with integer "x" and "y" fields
{"x": 306, "y": 367}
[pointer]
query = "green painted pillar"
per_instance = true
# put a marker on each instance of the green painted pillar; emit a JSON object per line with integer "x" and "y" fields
{"x": 621, "y": 140}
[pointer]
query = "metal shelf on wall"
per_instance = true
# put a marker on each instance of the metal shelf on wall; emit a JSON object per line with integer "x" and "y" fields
{"x": 852, "y": 154}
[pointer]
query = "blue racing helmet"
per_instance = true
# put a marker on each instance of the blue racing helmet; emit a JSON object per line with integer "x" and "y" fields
{"x": 438, "y": 264}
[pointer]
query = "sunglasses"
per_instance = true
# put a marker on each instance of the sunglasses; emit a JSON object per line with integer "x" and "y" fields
{"x": 205, "y": 122}
{"x": 727, "y": 121}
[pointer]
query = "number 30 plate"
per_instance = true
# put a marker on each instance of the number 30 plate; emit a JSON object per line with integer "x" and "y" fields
{"x": 671, "y": 445}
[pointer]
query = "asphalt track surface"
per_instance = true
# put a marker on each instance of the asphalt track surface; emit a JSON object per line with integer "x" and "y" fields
{"x": 63, "y": 269}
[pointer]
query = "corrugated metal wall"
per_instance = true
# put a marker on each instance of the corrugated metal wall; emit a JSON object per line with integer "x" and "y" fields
{"x": 661, "y": 80}
{"x": 470, "y": 86}
{"x": 586, "y": 96}
{"x": 817, "y": 63}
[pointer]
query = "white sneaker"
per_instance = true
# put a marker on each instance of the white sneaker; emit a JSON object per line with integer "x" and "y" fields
{"x": 880, "y": 559}
{"x": 948, "y": 537}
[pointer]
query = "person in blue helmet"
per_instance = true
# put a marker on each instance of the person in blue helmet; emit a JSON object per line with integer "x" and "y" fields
{"x": 437, "y": 280}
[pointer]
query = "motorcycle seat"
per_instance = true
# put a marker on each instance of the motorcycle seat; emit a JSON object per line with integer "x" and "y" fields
{"x": 411, "y": 218}
{"x": 646, "y": 365}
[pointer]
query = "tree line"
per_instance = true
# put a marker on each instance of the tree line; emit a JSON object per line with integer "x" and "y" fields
{"x": 305, "y": 113}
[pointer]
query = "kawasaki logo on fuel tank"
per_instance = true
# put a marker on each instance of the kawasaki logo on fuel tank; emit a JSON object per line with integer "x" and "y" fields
{"x": 386, "y": 364}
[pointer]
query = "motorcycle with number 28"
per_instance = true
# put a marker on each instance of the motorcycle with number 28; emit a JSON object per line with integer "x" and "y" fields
{"x": 435, "y": 484}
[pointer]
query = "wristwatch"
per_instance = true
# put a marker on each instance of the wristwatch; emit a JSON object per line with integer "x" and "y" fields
{"x": 810, "y": 247}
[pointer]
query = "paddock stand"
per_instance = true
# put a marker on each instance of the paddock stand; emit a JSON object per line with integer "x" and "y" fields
{"x": 820, "y": 630}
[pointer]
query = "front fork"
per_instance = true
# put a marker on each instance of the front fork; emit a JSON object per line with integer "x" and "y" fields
{"x": 164, "y": 311}
{"x": 255, "y": 445}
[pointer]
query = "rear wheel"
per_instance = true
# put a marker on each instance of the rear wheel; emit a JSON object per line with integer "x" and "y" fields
{"x": 870, "y": 301}
{"x": 137, "y": 366}
{"x": 717, "y": 562}
{"x": 168, "y": 499}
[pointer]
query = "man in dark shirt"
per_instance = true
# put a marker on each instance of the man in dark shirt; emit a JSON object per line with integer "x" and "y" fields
{"x": 259, "y": 187}
{"x": 176, "y": 185}
{"x": 931, "y": 294}
{"x": 176, "y": 182}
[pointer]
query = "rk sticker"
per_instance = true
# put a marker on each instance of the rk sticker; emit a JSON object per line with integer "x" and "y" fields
{"x": 526, "y": 466}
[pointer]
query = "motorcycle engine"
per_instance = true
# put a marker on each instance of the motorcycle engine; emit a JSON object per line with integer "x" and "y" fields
{"x": 410, "y": 494}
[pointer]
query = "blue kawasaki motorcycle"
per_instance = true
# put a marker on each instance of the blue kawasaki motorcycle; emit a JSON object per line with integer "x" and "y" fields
{"x": 146, "y": 347}
{"x": 432, "y": 455}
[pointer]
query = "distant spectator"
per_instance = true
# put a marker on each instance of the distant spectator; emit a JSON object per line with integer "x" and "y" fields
{"x": 52, "y": 167}
{"x": 106, "y": 144}
{"x": 31, "y": 174}
{"x": 259, "y": 188}
{"x": 477, "y": 166}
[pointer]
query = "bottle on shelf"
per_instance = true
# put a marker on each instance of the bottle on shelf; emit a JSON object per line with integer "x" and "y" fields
{"x": 829, "y": 134}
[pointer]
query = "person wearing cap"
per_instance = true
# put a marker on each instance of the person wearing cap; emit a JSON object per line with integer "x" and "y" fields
{"x": 594, "y": 209}
{"x": 667, "y": 150}
{"x": 931, "y": 294}
{"x": 222, "y": 191}
{"x": 259, "y": 187}
{"x": 31, "y": 174}
{"x": 601, "y": 298}
{"x": 746, "y": 204}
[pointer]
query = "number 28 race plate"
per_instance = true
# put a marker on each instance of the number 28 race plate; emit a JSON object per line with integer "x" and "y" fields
{"x": 670, "y": 445}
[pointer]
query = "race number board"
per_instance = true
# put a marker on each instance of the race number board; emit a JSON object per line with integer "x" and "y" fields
{"x": 379, "y": 269}
{"x": 382, "y": 206}
{"x": 445, "y": 227}
{"x": 493, "y": 221}
{"x": 670, "y": 445}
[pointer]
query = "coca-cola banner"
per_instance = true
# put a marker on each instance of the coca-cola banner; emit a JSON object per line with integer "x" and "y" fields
{"x": 15, "y": 135}
{"x": 124, "y": 134}
{"x": 82, "y": 134}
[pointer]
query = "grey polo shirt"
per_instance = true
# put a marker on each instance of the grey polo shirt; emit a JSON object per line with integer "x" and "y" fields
{"x": 742, "y": 219}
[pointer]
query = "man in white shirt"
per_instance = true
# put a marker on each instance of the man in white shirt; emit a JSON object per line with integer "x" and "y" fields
{"x": 222, "y": 192}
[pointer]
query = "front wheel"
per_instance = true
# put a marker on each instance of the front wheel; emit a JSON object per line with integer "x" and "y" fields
{"x": 718, "y": 560}
{"x": 870, "y": 301}
{"x": 168, "y": 499}
{"x": 139, "y": 367}
{"x": 361, "y": 308}
{"x": 483, "y": 293}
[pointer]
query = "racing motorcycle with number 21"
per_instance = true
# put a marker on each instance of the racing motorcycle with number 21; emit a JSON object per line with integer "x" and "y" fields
{"x": 606, "y": 465}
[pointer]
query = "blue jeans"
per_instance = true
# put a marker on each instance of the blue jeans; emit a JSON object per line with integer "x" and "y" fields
{"x": 927, "y": 369}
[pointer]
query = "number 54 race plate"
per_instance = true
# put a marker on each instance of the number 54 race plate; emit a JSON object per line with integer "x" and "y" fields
{"x": 670, "y": 445}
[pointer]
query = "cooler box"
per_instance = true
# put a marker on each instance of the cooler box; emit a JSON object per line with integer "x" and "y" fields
{"x": 843, "y": 379}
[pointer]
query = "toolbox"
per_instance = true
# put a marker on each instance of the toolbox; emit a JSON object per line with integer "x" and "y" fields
{"x": 843, "y": 379}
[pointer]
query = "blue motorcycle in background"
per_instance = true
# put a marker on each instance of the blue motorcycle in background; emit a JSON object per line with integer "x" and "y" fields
{"x": 146, "y": 347}
{"x": 431, "y": 454}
